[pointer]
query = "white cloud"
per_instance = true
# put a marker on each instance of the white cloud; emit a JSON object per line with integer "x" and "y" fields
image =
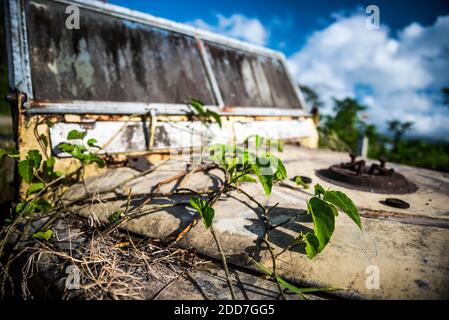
{"x": 237, "y": 26}
{"x": 400, "y": 76}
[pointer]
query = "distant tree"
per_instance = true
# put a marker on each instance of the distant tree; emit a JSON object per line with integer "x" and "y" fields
{"x": 346, "y": 122}
{"x": 398, "y": 129}
{"x": 313, "y": 101}
{"x": 311, "y": 96}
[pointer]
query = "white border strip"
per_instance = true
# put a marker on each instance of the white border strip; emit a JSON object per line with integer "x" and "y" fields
{"x": 17, "y": 48}
{"x": 132, "y": 108}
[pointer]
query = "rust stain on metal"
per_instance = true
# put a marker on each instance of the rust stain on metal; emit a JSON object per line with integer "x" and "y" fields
{"x": 249, "y": 80}
{"x": 111, "y": 59}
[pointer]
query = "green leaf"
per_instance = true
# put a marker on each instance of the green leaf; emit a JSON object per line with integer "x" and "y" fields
{"x": 198, "y": 106}
{"x": 345, "y": 204}
{"x": 43, "y": 235}
{"x": 78, "y": 152}
{"x": 50, "y": 162}
{"x": 312, "y": 245}
{"x": 288, "y": 285}
{"x": 281, "y": 281}
{"x": 205, "y": 113}
{"x": 66, "y": 147}
{"x": 91, "y": 157}
{"x": 75, "y": 134}
{"x": 265, "y": 179}
{"x": 215, "y": 116}
{"x": 281, "y": 171}
{"x": 92, "y": 142}
{"x": 42, "y": 205}
{"x": 246, "y": 178}
{"x": 298, "y": 180}
{"x": 323, "y": 220}
{"x": 10, "y": 152}
{"x": 116, "y": 216}
{"x": 49, "y": 165}
{"x": 44, "y": 139}
{"x": 319, "y": 190}
{"x": 35, "y": 157}
{"x": 35, "y": 187}
{"x": 206, "y": 212}
{"x": 20, "y": 206}
{"x": 25, "y": 169}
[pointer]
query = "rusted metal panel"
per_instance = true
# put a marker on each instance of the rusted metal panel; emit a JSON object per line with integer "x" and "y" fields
{"x": 131, "y": 57}
{"x": 249, "y": 80}
{"x": 111, "y": 59}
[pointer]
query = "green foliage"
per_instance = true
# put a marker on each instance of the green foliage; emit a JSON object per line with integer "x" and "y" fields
{"x": 239, "y": 162}
{"x": 399, "y": 129}
{"x": 43, "y": 235}
{"x": 92, "y": 143}
{"x": 39, "y": 174}
{"x": 324, "y": 224}
{"x": 311, "y": 97}
{"x": 206, "y": 115}
{"x": 80, "y": 151}
{"x": 25, "y": 169}
{"x": 10, "y": 152}
{"x": 75, "y": 134}
{"x": 116, "y": 216}
{"x": 35, "y": 187}
{"x": 427, "y": 154}
{"x": 342, "y": 131}
{"x": 298, "y": 180}
{"x": 324, "y": 208}
{"x": 287, "y": 285}
{"x": 346, "y": 123}
{"x": 36, "y": 205}
{"x": 344, "y": 203}
{"x": 206, "y": 212}
{"x": 246, "y": 178}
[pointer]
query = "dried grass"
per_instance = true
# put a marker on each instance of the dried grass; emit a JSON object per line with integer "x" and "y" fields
{"x": 112, "y": 268}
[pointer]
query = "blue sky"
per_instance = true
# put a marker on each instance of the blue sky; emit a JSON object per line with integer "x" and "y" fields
{"x": 397, "y": 71}
{"x": 290, "y": 22}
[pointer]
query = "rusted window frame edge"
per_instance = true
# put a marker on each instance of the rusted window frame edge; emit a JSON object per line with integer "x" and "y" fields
{"x": 19, "y": 69}
{"x": 20, "y": 77}
{"x": 210, "y": 73}
{"x": 136, "y": 16}
{"x": 132, "y": 108}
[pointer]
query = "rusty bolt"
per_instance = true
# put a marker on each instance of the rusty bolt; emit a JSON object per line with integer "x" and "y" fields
{"x": 383, "y": 160}
{"x": 11, "y": 96}
{"x": 361, "y": 167}
{"x": 353, "y": 157}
